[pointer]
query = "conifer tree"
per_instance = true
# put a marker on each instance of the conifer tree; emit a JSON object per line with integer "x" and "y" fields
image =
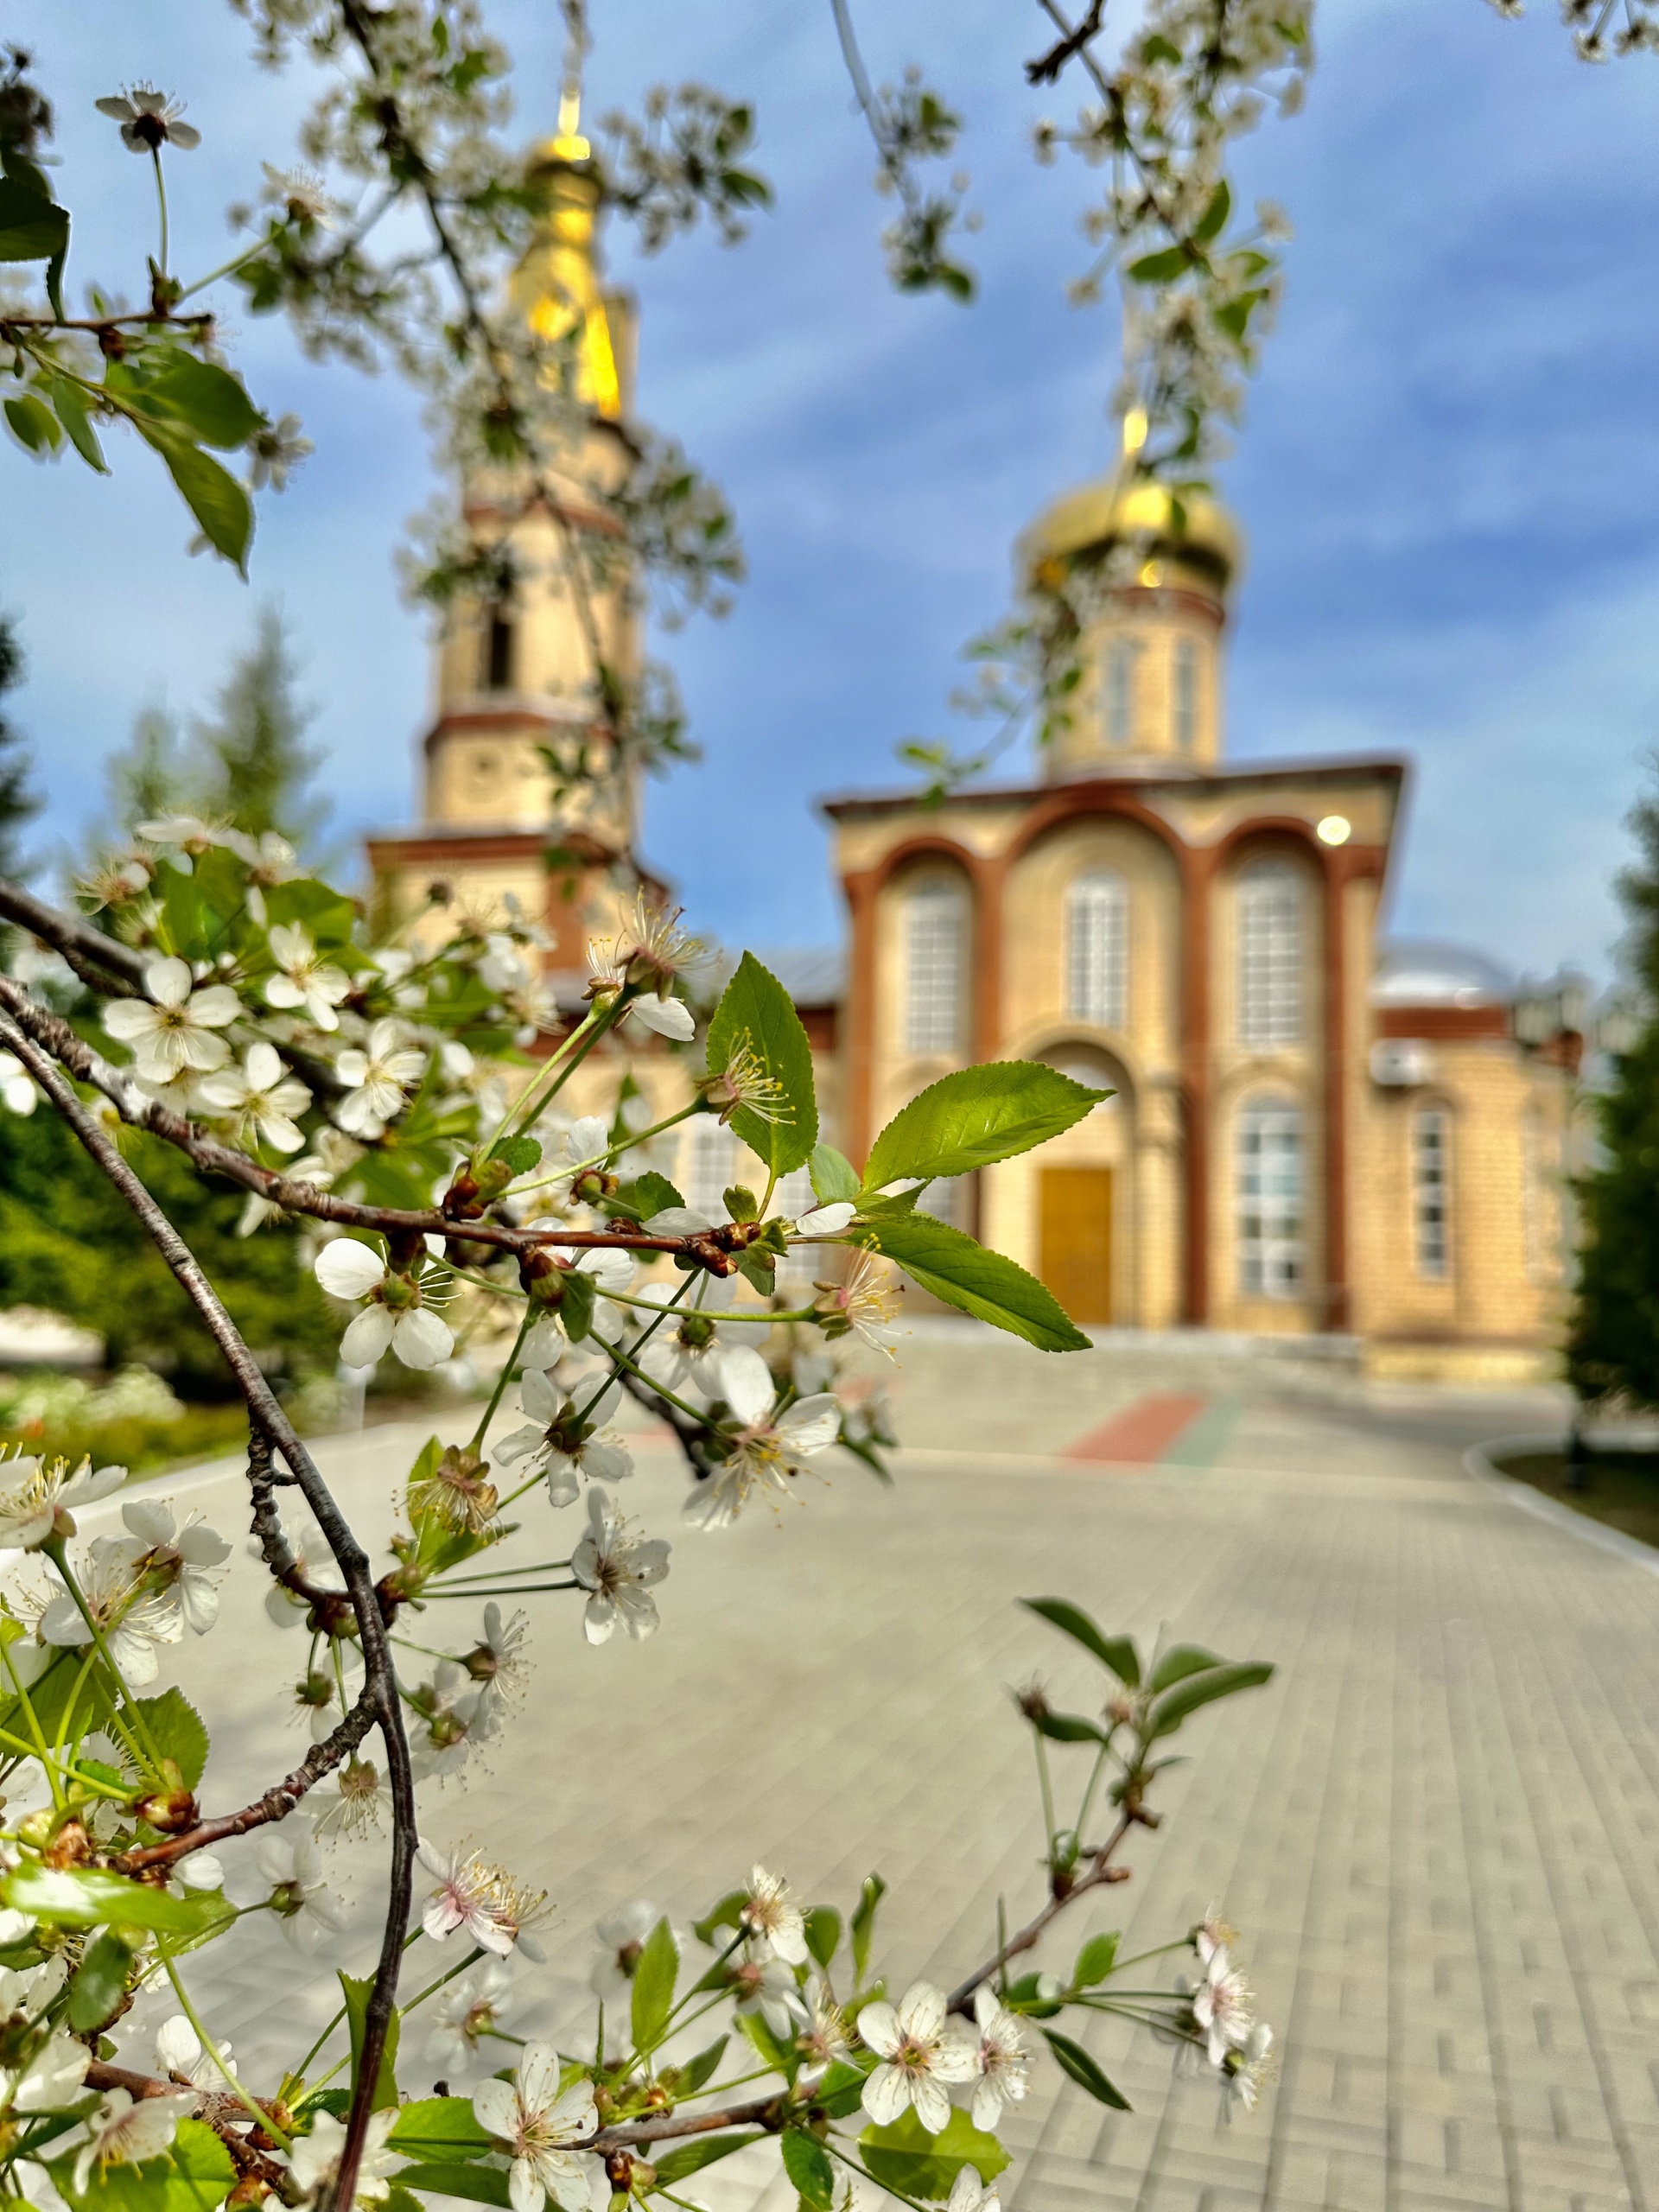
{"x": 1613, "y": 1350}
{"x": 18, "y": 801}
{"x": 256, "y": 766}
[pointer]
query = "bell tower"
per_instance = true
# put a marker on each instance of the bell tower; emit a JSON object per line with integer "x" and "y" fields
{"x": 1151, "y": 576}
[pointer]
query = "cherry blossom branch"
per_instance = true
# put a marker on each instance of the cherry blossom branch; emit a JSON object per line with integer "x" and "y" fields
{"x": 379, "y": 1674}
{"x": 77, "y": 940}
{"x": 220, "y": 2113}
{"x": 1100, "y": 1873}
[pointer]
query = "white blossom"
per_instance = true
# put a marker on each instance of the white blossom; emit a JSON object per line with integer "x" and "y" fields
{"x": 764, "y": 1452}
{"x": 621, "y": 1937}
{"x": 826, "y": 1221}
{"x": 179, "y": 2055}
{"x": 688, "y": 1346}
{"x": 475, "y": 1894}
{"x": 309, "y": 1912}
{"x": 276, "y": 447}
{"x": 305, "y": 978}
{"x": 175, "y": 1028}
{"x": 33, "y": 1492}
{"x": 921, "y": 2055}
{"x": 466, "y": 2012}
{"x": 1003, "y": 2069}
{"x": 772, "y": 1921}
{"x": 862, "y": 1304}
{"x": 1248, "y": 2068}
{"x": 617, "y": 1570}
{"x": 563, "y": 1446}
{"x": 314, "y": 2159}
{"x": 148, "y": 120}
{"x": 539, "y": 2125}
{"x": 178, "y": 1561}
{"x": 134, "y": 1619}
{"x": 262, "y": 1096}
{"x": 380, "y": 1073}
{"x": 767, "y": 1985}
{"x": 395, "y": 1316}
{"x": 824, "y": 2040}
{"x": 666, "y": 1015}
{"x": 17, "y": 1093}
{"x": 449, "y": 1708}
{"x": 121, "y": 2133}
{"x": 52, "y": 2078}
{"x": 969, "y": 2194}
{"x": 1222, "y": 2006}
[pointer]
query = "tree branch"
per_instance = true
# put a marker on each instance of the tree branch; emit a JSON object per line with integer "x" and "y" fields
{"x": 68, "y": 934}
{"x": 379, "y": 1675}
{"x": 1046, "y": 69}
{"x": 1100, "y": 1873}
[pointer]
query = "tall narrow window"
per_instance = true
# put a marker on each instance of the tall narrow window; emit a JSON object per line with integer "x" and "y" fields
{"x": 1269, "y": 954}
{"x": 1271, "y": 1177}
{"x": 497, "y": 650}
{"x": 1431, "y": 1193}
{"x": 1121, "y": 657}
{"x": 935, "y": 966}
{"x": 1184, "y": 694}
{"x": 1097, "y": 948}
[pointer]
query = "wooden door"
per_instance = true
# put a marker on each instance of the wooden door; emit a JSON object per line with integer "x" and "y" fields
{"x": 1075, "y": 1219}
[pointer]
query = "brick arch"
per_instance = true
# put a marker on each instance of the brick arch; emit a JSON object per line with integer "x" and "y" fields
{"x": 1070, "y": 801}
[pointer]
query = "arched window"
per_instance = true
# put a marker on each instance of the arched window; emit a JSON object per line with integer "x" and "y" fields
{"x": 1184, "y": 694}
{"x": 935, "y": 920}
{"x": 1272, "y": 1174}
{"x": 1431, "y": 1193}
{"x": 1097, "y": 948}
{"x": 1269, "y": 954}
{"x": 1121, "y": 657}
{"x": 497, "y": 669}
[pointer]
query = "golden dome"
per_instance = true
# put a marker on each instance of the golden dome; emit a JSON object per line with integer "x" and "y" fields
{"x": 1111, "y": 512}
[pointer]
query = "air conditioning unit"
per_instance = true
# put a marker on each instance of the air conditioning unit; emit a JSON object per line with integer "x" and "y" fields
{"x": 1399, "y": 1062}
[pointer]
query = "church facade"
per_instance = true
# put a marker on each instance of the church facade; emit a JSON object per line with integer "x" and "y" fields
{"x": 1310, "y": 1132}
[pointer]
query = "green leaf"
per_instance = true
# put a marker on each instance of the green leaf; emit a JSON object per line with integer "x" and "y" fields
{"x": 906, "y": 2159}
{"x": 701, "y": 2068}
{"x": 1025, "y": 1997}
{"x": 1160, "y": 268}
{"x": 1095, "y": 1960}
{"x": 1178, "y": 1663}
{"x": 358, "y": 1993}
{"x": 439, "y": 2128}
{"x": 653, "y": 1986}
{"x": 756, "y": 1011}
{"x": 521, "y": 1153}
{"x": 975, "y": 1281}
{"x": 728, "y": 1913}
{"x": 691, "y": 2158}
{"x": 864, "y": 1924}
{"x": 975, "y": 1117}
{"x": 1117, "y": 1652}
{"x": 212, "y": 403}
{"x": 780, "y": 2057}
{"x": 823, "y": 1932}
{"x": 1213, "y": 220}
{"x": 193, "y": 2175}
{"x": 1076, "y": 2061}
{"x": 647, "y": 1194}
{"x": 31, "y": 228}
{"x": 85, "y": 1896}
{"x": 576, "y": 1304}
{"x": 177, "y": 1730}
{"x": 34, "y": 423}
{"x": 807, "y": 2164}
{"x": 834, "y": 1176}
{"x": 1068, "y": 1728}
{"x": 1171, "y": 1708}
{"x": 99, "y": 1983}
{"x": 219, "y": 503}
{"x": 71, "y": 404}
{"x": 840, "y": 2092}
{"x": 482, "y": 2184}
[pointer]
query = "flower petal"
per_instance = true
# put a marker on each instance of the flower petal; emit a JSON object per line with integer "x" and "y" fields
{"x": 348, "y": 1269}
{"x": 668, "y": 1017}
{"x": 420, "y": 1340}
{"x": 878, "y": 2026}
{"x": 886, "y": 2095}
{"x": 367, "y": 1337}
{"x": 745, "y": 1382}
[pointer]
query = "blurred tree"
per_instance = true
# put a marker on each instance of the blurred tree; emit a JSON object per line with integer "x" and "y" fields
{"x": 148, "y": 778}
{"x": 69, "y": 1243}
{"x": 18, "y": 801}
{"x": 254, "y": 766}
{"x": 1613, "y": 1348}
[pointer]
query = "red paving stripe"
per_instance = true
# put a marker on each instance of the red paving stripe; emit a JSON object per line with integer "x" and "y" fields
{"x": 1142, "y": 1433}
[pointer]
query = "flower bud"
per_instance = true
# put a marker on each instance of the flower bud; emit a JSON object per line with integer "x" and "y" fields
{"x": 173, "y": 1812}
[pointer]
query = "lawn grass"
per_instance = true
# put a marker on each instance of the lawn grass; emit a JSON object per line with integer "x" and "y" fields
{"x": 1623, "y": 1487}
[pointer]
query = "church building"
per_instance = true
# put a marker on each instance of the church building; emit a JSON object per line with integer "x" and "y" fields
{"x": 1310, "y": 1131}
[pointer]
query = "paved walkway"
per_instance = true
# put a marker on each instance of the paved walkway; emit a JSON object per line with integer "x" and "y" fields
{"x": 1438, "y": 1829}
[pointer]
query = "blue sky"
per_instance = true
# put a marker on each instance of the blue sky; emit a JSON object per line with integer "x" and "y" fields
{"x": 1449, "y": 474}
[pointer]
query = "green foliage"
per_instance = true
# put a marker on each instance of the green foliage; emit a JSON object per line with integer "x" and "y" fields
{"x": 478, "y": 2184}
{"x": 438, "y": 2130}
{"x": 834, "y": 1179}
{"x": 257, "y": 764}
{"x": 1117, "y": 1652}
{"x": 756, "y": 1014}
{"x": 70, "y": 1242}
{"x": 975, "y": 1280}
{"x": 1178, "y": 1663}
{"x": 654, "y": 1978}
{"x": 357, "y": 1992}
{"x": 822, "y": 1926}
{"x": 807, "y": 2164}
{"x": 703, "y": 2151}
{"x": 906, "y": 2159}
{"x": 1095, "y": 1960}
{"x": 870, "y": 1896}
{"x": 87, "y": 1897}
{"x": 1083, "y": 2070}
{"x": 1168, "y": 1711}
{"x": 18, "y": 802}
{"x": 99, "y": 1983}
{"x": 977, "y": 1115}
{"x": 177, "y": 1731}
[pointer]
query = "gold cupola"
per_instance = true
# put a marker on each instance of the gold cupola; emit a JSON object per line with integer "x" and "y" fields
{"x": 1154, "y": 573}
{"x": 557, "y": 286}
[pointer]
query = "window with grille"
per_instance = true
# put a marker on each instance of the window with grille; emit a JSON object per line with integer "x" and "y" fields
{"x": 708, "y": 1166}
{"x": 1184, "y": 694}
{"x": 1272, "y": 1175}
{"x": 1097, "y": 948}
{"x": 935, "y": 965}
{"x": 1121, "y": 657}
{"x": 1431, "y": 1193}
{"x": 1270, "y": 908}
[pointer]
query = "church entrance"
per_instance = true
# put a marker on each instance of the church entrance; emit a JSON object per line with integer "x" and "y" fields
{"x": 1076, "y": 1229}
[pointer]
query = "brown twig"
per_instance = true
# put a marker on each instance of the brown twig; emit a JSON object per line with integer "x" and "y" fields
{"x": 222, "y": 2113}
{"x": 1100, "y": 1873}
{"x": 379, "y": 1677}
{"x": 1046, "y": 69}
{"x": 71, "y": 935}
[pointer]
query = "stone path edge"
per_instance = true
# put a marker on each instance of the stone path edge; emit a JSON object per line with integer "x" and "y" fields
{"x": 1478, "y": 1462}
